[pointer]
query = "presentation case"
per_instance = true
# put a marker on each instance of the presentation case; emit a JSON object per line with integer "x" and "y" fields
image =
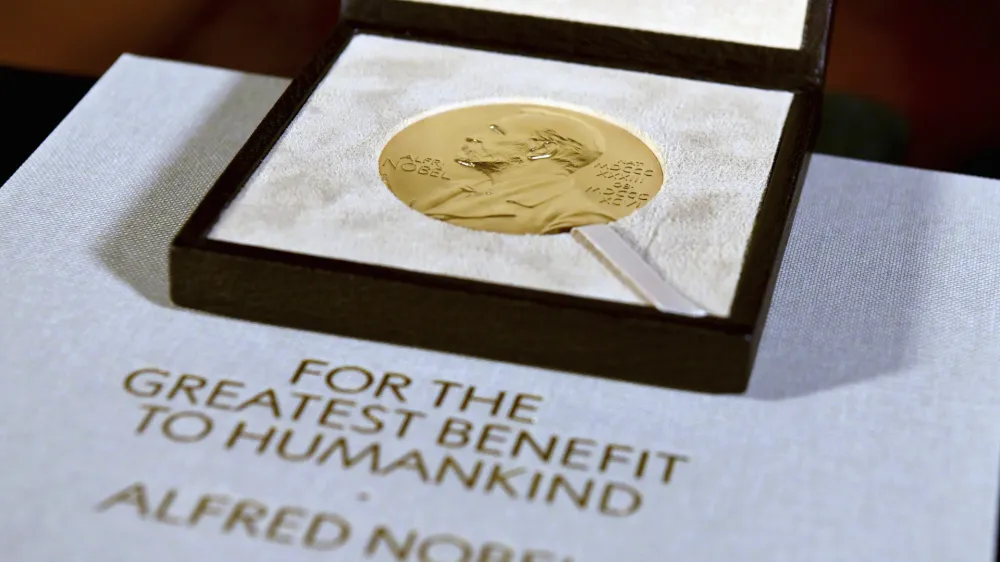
{"x": 300, "y": 231}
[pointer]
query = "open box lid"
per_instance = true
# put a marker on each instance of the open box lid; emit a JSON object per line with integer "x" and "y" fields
{"x": 774, "y": 44}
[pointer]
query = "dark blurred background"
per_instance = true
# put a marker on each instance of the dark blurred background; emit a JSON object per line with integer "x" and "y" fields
{"x": 910, "y": 82}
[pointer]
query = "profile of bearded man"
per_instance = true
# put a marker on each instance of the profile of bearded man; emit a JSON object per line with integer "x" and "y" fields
{"x": 528, "y": 160}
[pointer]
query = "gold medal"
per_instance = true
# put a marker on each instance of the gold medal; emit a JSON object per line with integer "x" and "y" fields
{"x": 520, "y": 169}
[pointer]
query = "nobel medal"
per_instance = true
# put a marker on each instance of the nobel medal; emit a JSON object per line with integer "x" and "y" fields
{"x": 520, "y": 169}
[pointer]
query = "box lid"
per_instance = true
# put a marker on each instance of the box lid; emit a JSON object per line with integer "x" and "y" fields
{"x": 779, "y": 44}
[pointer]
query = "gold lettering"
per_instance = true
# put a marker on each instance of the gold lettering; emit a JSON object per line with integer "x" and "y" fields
{"x": 395, "y": 382}
{"x": 572, "y": 450}
{"x": 408, "y": 416}
{"x": 449, "y": 429}
{"x": 246, "y": 513}
{"x": 468, "y": 480}
{"x": 640, "y": 468}
{"x": 347, "y": 461}
{"x": 446, "y": 387}
{"x": 220, "y": 390}
{"x": 580, "y": 499}
{"x": 521, "y": 405}
{"x": 607, "y": 500}
{"x": 499, "y": 477}
{"x": 494, "y": 552}
{"x": 151, "y": 410}
{"x": 163, "y": 510}
{"x": 487, "y": 435}
{"x": 151, "y": 388}
{"x": 540, "y": 556}
{"x": 493, "y": 401}
{"x": 410, "y": 461}
{"x": 544, "y": 455}
{"x": 533, "y": 487}
{"x": 464, "y": 549}
{"x": 204, "y": 423}
{"x": 134, "y": 495}
{"x": 366, "y": 376}
{"x": 382, "y": 535}
{"x": 207, "y": 505}
{"x": 280, "y": 523}
{"x": 672, "y": 461}
{"x": 610, "y": 456}
{"x": 304, "y": 369}
{"x": 304, "y": 400}
{"x": 312, "y": 539}
{"x": 241, "y": 433}
{"x": 187, "y": 384}
{"x": 374, "y": 420}
{"x": 297, "y": 457}
{"x": 331, "y": 410}
{"x": 264, "y": 399}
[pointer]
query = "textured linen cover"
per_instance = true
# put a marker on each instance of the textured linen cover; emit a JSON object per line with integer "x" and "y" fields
{"x": 318, "y": 191}
{"x": 768, "y": 23}
{"x": 869, "y": 431}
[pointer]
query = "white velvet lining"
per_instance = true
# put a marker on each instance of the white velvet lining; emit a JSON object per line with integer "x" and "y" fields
{"x": 318, "y": 191}
{"x": 767, "y": 23}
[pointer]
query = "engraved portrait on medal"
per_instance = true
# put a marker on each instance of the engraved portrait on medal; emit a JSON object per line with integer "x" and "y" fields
{"x": 520, "y": 169}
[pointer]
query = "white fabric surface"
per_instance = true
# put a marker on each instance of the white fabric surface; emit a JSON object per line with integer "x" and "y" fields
{"x": 869, "y": 432}
{"x": 319, "y": 192}
{"x": 768, "y": 23}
